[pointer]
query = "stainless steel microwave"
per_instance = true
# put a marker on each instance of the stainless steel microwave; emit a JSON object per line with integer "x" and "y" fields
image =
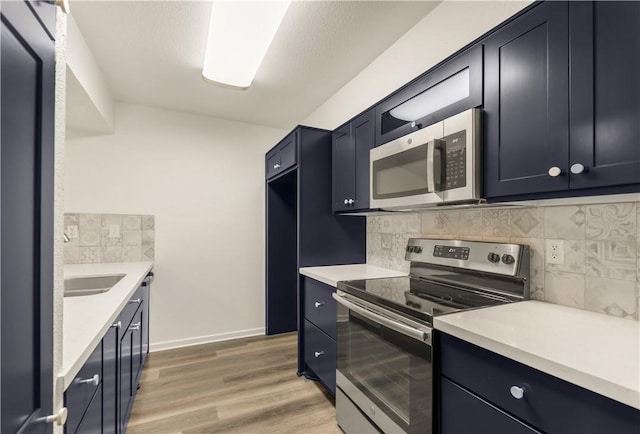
{"x": 435, "y": 165}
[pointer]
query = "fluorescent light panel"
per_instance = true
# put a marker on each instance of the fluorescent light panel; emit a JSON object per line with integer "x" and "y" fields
{"x": 240, "y": 33}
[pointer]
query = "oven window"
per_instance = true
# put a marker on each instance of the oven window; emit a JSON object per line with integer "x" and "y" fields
{"x": 394, "y": 371}
{"x": 401, "y": 174}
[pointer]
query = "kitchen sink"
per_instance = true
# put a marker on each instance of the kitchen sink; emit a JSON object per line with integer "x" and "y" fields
{"x": 77, "y": 286}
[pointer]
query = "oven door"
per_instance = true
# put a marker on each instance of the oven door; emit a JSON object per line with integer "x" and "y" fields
{"x": 384, "y": 369}
{"x": 407, "y": 172}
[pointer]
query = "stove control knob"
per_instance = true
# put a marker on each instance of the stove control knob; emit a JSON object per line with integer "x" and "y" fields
{"x": 508, "y": 259}
{"x": 493, "y": 257}
{"x": 417, "y": 249}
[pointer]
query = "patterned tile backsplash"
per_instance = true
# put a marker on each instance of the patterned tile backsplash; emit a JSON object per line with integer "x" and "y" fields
{"x": 601, "y": 270}
{"x": 97, "y": 238}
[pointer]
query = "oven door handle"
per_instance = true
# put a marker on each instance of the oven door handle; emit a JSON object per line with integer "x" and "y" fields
{"x": 387, "y": 322}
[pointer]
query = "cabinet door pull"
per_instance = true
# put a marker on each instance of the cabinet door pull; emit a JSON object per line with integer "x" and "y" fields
{"x": 94, "y": 381}
{"x": 346, "y": 201}
{"x": 555, "y": 171}
{"x": 318, "y": 353}
{"x": 137, "y": 300}
{"x": 59, "y": 418}
{"x": 351, "y": 201}
{"x": 135, "y": 326}
{"x": 578, "y": 168}
{"x": 517, "y": 392}
{"x": 117, "y": 325}
{"x": 319, "y": 303}
{"x": 276, "y": 166}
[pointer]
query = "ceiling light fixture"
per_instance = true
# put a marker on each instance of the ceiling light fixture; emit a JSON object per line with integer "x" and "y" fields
{"x": 240, "y": 33}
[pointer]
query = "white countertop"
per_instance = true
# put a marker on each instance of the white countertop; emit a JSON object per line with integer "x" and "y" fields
{"x": 332, "y": 274}
{"x": 87, "y": 318}
{"x": 595, "y": 351}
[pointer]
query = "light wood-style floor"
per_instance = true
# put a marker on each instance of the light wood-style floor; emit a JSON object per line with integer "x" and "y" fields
{"x": 241, "y": 386}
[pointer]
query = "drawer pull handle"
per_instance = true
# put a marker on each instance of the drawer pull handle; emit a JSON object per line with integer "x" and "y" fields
{"x": 135, "y": 326}
{"x": 60, "y": 418}
{"x": 137, "y": 300}
{"x": 319, "y": 303}
{"x": 318, "y": 353}
{"x": 517, "y": 392}
{"x": 94, "y": 381}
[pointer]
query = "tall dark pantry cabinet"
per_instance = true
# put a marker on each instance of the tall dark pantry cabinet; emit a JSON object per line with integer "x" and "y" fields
{"x": 301, "y": 230}
{"x": 26, "y": 171}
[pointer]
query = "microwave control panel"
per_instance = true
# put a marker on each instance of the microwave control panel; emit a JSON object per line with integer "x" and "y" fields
{"x": 455, "y": 160}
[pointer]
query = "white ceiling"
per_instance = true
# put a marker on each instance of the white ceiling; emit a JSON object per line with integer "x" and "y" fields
{"x": 151, "y": 52}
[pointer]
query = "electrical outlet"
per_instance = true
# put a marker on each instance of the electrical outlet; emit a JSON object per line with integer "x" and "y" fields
{"x": 114, "y": 231}
{"x": 554, "y": 252}
{"x": 72, "y": 232}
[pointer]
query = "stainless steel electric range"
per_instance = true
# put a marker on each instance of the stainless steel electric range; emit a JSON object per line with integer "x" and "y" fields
{"x": 384, "y": 372}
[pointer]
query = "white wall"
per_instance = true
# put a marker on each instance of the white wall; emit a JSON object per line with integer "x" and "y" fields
{"x": 91, "y": 106}
{"x": 203, "y": 179}
{"x": 445, "y": 30}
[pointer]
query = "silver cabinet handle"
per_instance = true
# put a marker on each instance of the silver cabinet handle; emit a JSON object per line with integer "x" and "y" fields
{"x": 59, "y": 418}
{"x": 276, "y": 166}
{"x": 319, "y": 303}
{"x": 318, "y": 353}
{"x": 94, "y": 381}
{"x": 351, "y": 201}
{"x": 346, "y": 201}
{"x": 517, "y": 392}
{"x": 117, "y": 325}
{"x": 137, "y": 300}
{"x": 135, "y": 326}
{"x": 577, "y": 169}
{"x": 555, "y": 171}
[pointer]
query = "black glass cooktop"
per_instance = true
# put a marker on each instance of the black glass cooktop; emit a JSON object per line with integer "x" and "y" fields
{"x": 420, "y": 298}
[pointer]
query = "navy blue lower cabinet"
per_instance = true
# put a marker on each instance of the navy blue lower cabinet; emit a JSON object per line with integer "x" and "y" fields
{"x": 317, "y": 338}
{"x": 92, "y": 420}
{"x": 82, "y": 390}
{"x": 462, "y": 412}
{"x": 110, "y": 361}
{"x": 546, "y": 404}
{"x": 320, "y": 355}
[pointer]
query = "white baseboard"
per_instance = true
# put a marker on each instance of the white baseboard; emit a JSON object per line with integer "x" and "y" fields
{"x": 187, "y": 342}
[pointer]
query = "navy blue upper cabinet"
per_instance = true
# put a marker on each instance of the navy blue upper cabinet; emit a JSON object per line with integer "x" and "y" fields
{"x": 282, "y": 156}
{"x": 605, "y": 94}
{"x": 527, "y": 103}
{"x": 351, "y": 145}
{"x": 448, "y": 89}
{"x": 562, "y": 101}
{"x": 27, "y": 88}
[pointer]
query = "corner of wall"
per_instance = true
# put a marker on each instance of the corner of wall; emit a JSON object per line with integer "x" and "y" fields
{"x": 58, "y": 257}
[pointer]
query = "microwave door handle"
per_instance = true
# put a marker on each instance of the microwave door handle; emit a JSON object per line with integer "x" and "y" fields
{"x": 431, "y": 176}
{"x": 393, "y": 325}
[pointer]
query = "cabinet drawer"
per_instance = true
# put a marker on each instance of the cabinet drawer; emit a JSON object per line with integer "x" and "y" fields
{"x": 79, "y": 394}
{"x": 320, "y": 355}
{"x": 549, "y": 404}
{"x": 92, "y": 421}
{"x": 273, "y": 163}
{"x": 319, "y": 306}
{"x": 288, "y": 153}
{"x": 131, "y": 307}
{"x": 480, "y": 417}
